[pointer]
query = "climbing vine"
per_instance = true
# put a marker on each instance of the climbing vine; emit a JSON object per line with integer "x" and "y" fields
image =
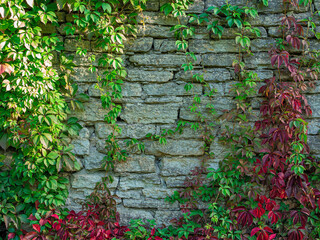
{"x": 33, "y": 125}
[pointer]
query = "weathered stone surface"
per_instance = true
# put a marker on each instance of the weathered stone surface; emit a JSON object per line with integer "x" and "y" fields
{"x": 154, "y": 31}
{"x": 262, "y": 45}
{"x": 163, "y": 99}
{"x": 209, "y": 75}
{"x": 157, "y": 192}
{"x": 137, "y": 164}
{"x": 160, "y": 19}
{"x": 231, "y": 33}
{"x": 84, "y": 61}
{"x": 314, "y": 126}
{"x": 94, "y": 160}
{"x": 314, "y": 143}
{"x": 196, "y": 7}
{"x": 152, "y": 5}
{"x": 175, "y": 148}
{"x": 130, "y": 194}
{"x": 128, "y": 90}
{"x": 92, "y": 111}
{"x": 175, "y": 166}
{"x": 139, "y": 181}
{"x": 317, "y": 4}
{"x": 167, "y": 60}
{"x": 71, "y": 44}
{"x": 82, "y": 75}
{"x": 165, "y": 45}
{"x": 144, "y": 113}
{"x": 175, "y": 182}
{"x": 218, "y": 3}
{"x": 84, "y": 133}
{"x": 171, "y": 89}
{"x": 219, "y": 150}
{"x": 186, "y": 133}
{"x": 85, "y": 179}
{"x": 267, "y": 20}
{"x": 137, "y": 75}
{"x": 314, "y": 103}
{"x": 216, "y": 46}
{"x": 218, "y": 60}
{"x": 276, "y": 6}
{"x": 139, "y": 44}
{"x": 128, "y": 130}
{"x": 220, "y": 104}
{"x": 81, "y": 146}
{"x": 128, "y": 214}
{"x": 258, "y": 59}
{"x": 264, "y": 74}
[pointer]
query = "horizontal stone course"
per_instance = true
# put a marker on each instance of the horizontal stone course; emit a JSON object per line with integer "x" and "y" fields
{"x": 162, "y": 60}
{"x": 148, "y": 76}
{"x": 171, "y": 89}
{"x": 175, "y": 148}
{"x": 145, "y": 113}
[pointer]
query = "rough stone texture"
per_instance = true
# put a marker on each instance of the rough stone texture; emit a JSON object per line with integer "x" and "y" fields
{"x": 218, "y": 60}
{"x": 175, "y": 148}
{"x": 170, "y": 89}
{"x": 154, "y": 99}
{"x": 140, "y": 44}
{"x": 176, "y": 166}
{"x": 168, "y": 60}
{"x": 145, "y": 113}
{"x": 159, "y": 19}
{"x": 137, "y": 164}
{"x": 72, "y": 44}
{"x": 137, "y": 75}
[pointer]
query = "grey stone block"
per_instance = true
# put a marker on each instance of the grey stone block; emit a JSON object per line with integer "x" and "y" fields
{"x": 175, "y": 148}
{"x": 138, "y": 75}
{"x": 81, "y": 146}
{"x": 144, "y": 113}
{"x": 171, "y": 89}
{"x": 209, "y": 75}
{"x": 176, "y": 166}
{"x": 216, "y": 46}
{"x": 218, "y": 60}
{"x": 71, "y": 44}
{"x": 139, "y": 181}
{"x": 168, "y": 60}
{"x": 165, "y": 45}
{"x": 155, "y": 31}
{"x": 137, "y": 164}
{"x": 94, "y": 160}
{"x": 160, "y": 19}
{"x": 87, "y": 180}
{"x": 139, "y": 44}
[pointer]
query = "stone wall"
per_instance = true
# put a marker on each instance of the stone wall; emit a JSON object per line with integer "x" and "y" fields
{"x": 154, "y": 99}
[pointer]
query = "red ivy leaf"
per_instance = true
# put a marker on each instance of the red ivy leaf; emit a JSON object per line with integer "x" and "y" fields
{"x": 36, "y": 227}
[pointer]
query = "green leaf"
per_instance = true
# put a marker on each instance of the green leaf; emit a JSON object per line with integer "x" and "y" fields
{"x": 53, "y": 155}
{"x": 30, "y": 3}
{"x": 106, "y": 6}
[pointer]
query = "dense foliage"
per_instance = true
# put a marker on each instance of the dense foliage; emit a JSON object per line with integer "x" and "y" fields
{"x": 33, "y": 115}
{"x": 265, "y": 187}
